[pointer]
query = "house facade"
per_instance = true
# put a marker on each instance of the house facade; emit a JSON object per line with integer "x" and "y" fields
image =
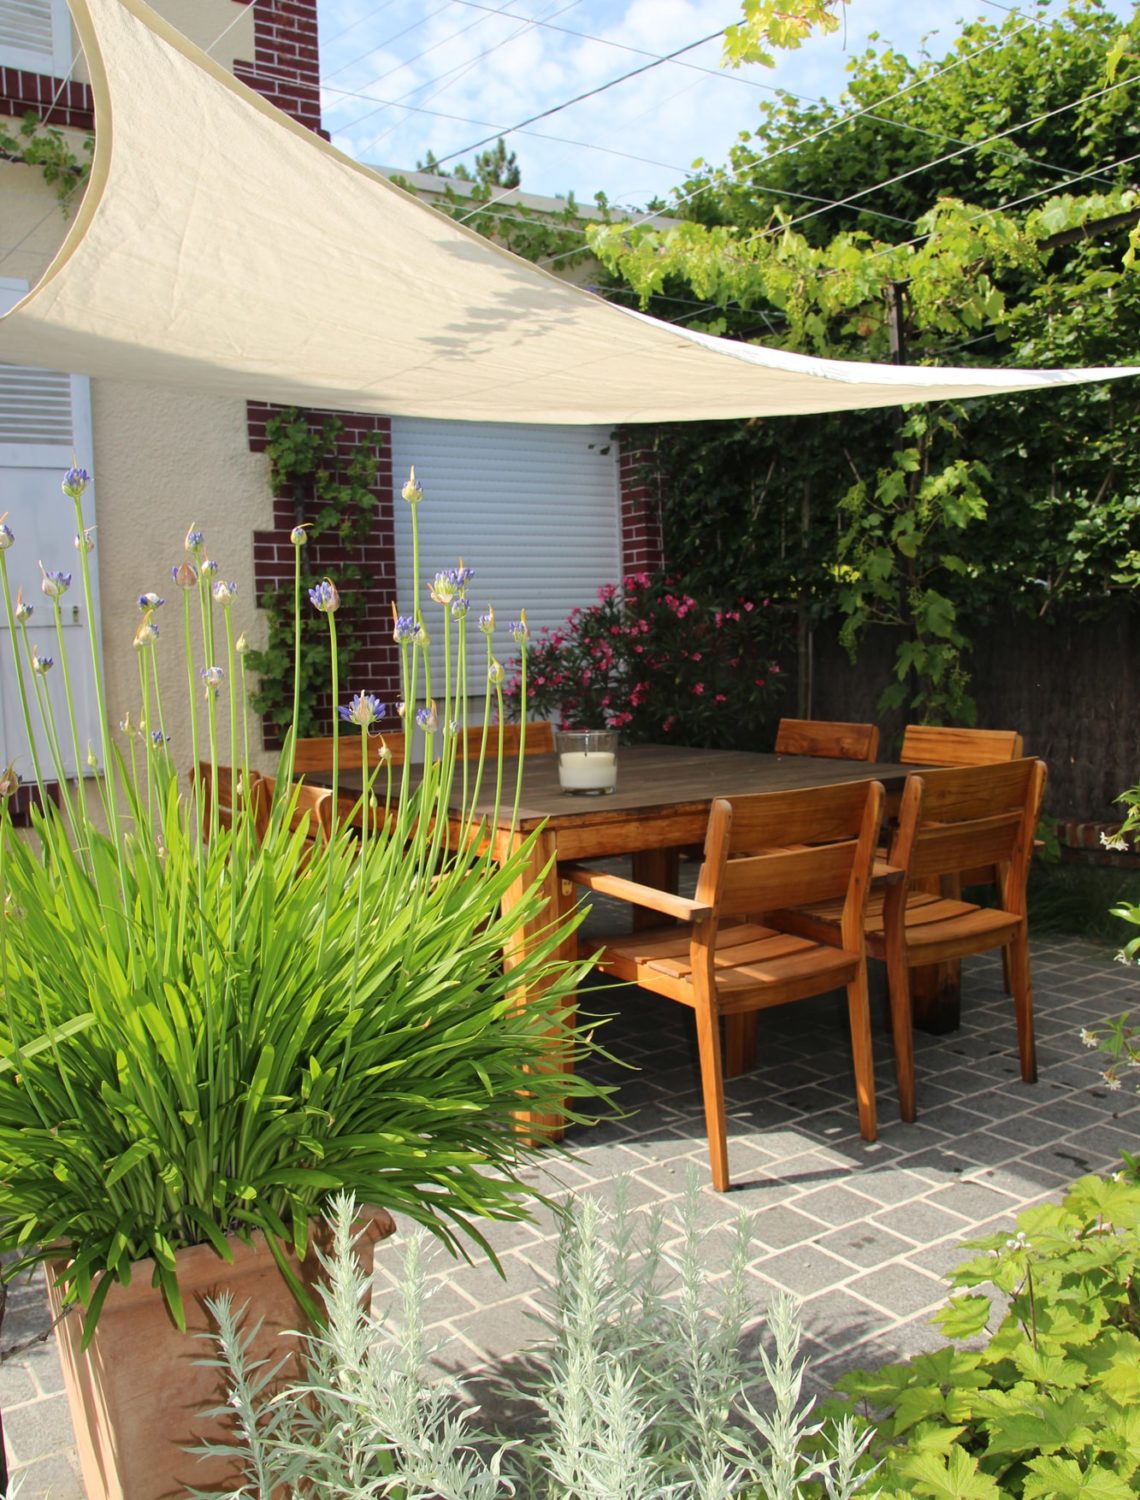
{"x": 545, "y": 515}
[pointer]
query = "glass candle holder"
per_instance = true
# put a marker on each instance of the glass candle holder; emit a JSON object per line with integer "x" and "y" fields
{"x": 587, "y": 761}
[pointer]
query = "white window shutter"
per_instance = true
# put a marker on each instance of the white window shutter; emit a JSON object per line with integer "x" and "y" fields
{"x": 45, "y": 425}
{"x": 534, "y": 510}
{"x": 35, "y": 35}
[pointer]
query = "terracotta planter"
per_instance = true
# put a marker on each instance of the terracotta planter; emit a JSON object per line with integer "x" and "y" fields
{"x": 136, "y": 1394}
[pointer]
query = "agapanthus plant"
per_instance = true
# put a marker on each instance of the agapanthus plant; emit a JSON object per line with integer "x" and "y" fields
{"x": 208, "y": 1029}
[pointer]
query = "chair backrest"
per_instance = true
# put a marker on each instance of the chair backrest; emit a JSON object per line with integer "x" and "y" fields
{"x": 968, "y": 817}
{"x": 232, "y": 792}
{"x": 827, "y": 737}
{"x": 780, "y": 849}
{"x": 310, "y": 809}
{"x": 316, "y": 754}
{"x": 942, "y": 745}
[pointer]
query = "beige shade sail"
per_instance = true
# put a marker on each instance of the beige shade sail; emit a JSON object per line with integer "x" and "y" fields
{"x": 224, "y": 246}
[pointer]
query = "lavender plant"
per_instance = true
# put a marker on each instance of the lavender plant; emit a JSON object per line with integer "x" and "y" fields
{"x": 206, "y": 1029}
{"x": 644, "y": 1388}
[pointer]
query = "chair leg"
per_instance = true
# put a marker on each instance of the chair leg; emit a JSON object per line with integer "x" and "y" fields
{"x": 1018, "y": 951}
{"x": 859, "y": 1014}
{"x": 902, "y": 1031}
{"x": 712, "y": 1086}
{"x": 739, "y": 1043}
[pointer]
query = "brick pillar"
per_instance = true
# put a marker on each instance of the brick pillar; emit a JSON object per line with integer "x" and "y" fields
{"x": 642, "y": 542}
{"x": 376, "y": 668}
{"x": 286, "y": 59}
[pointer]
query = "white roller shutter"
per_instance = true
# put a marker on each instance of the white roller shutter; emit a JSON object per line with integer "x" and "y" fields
{"x": 35, "y": 35}
{"x": 45, "y": 425}
{"x": 534, "y": 510}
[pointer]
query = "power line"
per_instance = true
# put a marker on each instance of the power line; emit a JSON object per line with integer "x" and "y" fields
{"x": 589, "y": 94}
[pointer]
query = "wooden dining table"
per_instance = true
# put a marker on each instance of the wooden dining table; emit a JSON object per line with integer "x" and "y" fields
{"x": 661, "y": 805}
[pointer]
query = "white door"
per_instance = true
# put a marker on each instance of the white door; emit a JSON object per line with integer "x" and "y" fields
{"x": 45, "y": 426}
{"x": 534, "y": 510}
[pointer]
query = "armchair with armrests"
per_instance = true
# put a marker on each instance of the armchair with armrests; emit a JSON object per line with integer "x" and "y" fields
{"x": 719, "y": 963}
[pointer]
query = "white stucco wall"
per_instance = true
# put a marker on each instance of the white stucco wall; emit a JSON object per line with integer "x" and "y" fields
{"x": 162, "y": 459}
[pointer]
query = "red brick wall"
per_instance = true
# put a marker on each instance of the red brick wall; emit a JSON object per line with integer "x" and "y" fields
{"x": 642, "y": 547}
{"x": 20, "y": 92}
{"x": 286, "y": 61}
{"x": 376, "y": 668}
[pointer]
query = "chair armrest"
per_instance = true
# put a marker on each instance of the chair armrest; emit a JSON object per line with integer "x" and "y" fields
{"x": 638, "y": 895}
{"x": 884, "y": 874}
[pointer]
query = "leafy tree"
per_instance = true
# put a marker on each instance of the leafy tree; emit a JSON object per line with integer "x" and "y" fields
{"x": 878, "y": 516}
{"x": 495, "y": 167}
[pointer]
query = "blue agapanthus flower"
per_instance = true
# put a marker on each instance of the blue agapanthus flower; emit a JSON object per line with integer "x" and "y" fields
{"x": 325, "y": 597}
{"x": 363, "y": 710}
{"x": 151, "y": 601}
{"x": 428, "y": 718}
{"x": 54, "y": 582}
{"x": 405, "y": 629}
{"x": 75, "y": 481}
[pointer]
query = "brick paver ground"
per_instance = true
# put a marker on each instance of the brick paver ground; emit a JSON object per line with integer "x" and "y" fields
{"x": 861, "y": 1233}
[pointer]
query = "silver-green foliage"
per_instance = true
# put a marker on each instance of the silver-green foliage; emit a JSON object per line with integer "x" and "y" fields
{"x": 642, "y": 1388}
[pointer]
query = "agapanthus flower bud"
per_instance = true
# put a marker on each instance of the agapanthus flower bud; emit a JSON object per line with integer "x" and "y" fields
{"x": 54, "y": 582}
{"x": 151, "y": 601}
{"x": 495, "y": 672}
{"x": 7, "y": 536}
{"x": 411, "y": 490}
{"x": 157, "y": 738}
{"x": 209, "y": 567}
{"x": 127, "y": 724}
{"x": 194, "y": 540}
{"x": 519, "y": 629}
{"x": 487, "y": 622}
{"x": 224, "y": 593}
{"x": 147, "y": 633}
{"x": 41, "y": 664}
{"x": 9, "y": 782}
{"x": 75, "y": 481}
{"x": 463, "y": 574}
{"x": 325, "y": 597}
{"x": 212, "y": 677}
{"x": 92, "y": 758}
{"x": 401, "y": 708}
{"x": 363, "y": 710}
{"x": 23, "y": 611}
{"x": 185, "y": 576}
{"x": 404, "y": 628}
{"x": 86, "y": 541}
{"x": 459, "y": 607}
{"x": 428, "y": 718}
{"x": 241, "y": 645}
{"x": 300, "y": 534}
{"x": 383, "y": 754}
{"x": 444, "y": 587}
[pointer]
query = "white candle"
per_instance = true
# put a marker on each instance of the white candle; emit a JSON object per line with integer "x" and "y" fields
{"x": 585, "y": 771}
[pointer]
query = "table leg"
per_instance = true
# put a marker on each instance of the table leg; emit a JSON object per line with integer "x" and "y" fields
{"x": 936, "y": 989}
{"x": 659, "y": 868}
{"x": 535, "y": 1126}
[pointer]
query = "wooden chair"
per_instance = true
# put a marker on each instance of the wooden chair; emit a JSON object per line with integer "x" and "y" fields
{"x": 232, "y": 792}
{"x": 942, "y": 745}
{"x": 720, "y": 964}
{"x": 310, "y": 809}
{"x": 828, "y": 738}
{"x": 950, "y": 821}
{"x": 312, "y": 755}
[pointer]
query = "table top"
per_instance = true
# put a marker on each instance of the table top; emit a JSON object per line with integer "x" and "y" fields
{"x": 659, "y": 780}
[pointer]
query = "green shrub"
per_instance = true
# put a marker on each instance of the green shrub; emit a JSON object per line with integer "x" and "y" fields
{"x": 1047, "y": 1405}
{"x": 640, "y": 1389}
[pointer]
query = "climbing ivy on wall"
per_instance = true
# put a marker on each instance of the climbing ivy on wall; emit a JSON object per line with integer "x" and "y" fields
{"x": 334, "y": 496}
{"x": 44, "y": 146}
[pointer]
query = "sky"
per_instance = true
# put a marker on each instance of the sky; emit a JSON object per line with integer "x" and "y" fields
{"x": 403, "y": 76}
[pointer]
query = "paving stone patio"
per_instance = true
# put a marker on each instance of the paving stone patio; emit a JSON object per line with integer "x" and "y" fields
{"x": 861, "y": 1233}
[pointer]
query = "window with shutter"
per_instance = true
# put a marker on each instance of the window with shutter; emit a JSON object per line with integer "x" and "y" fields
{"x": 45, "y": 425}
{"x": 535, "y": 510}
{"x": 35, "y": 35}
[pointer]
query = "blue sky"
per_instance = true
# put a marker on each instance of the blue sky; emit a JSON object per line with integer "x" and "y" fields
{"x": 401, "y": 76}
